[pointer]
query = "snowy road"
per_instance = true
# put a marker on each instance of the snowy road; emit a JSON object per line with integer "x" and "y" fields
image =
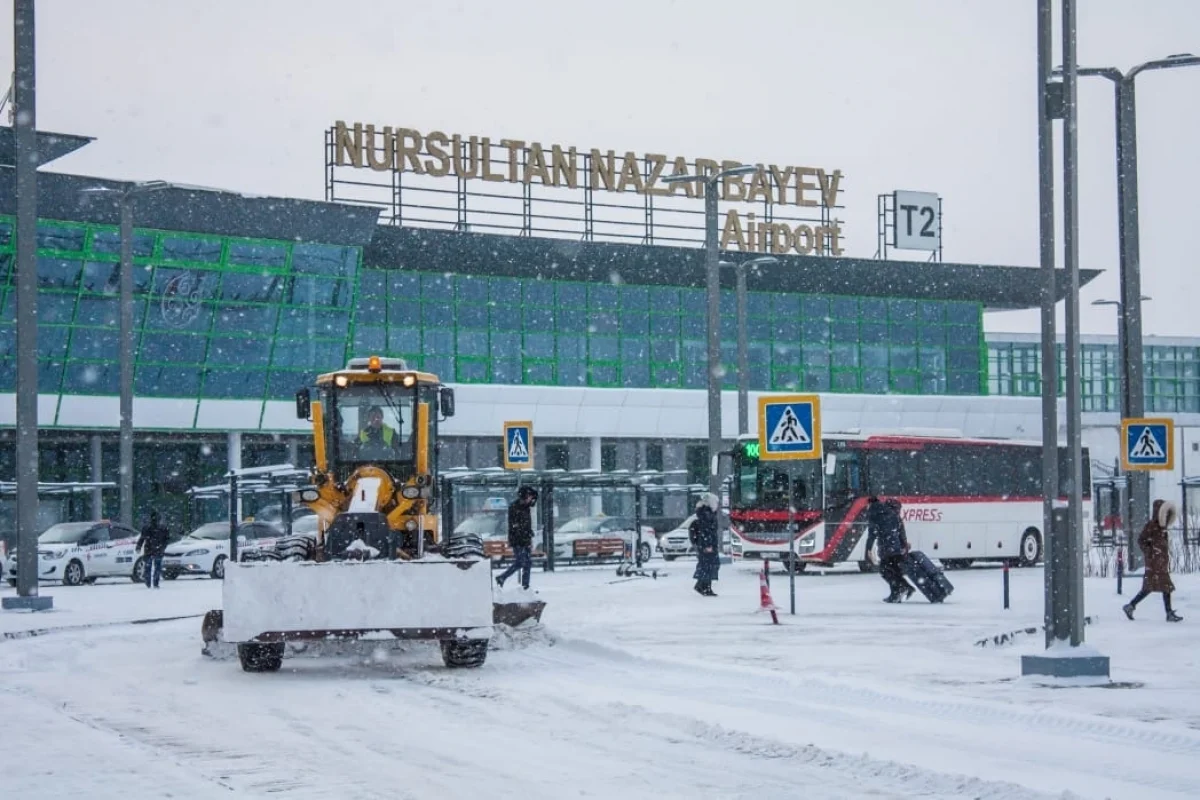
{"x": 634, "y": 689}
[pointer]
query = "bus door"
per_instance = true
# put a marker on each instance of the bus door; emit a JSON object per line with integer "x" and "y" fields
{"x": 845, "y": 505}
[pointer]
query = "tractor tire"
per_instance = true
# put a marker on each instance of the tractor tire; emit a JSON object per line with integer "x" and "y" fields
{"x": 256, "y": 657}
{"x": 466, "y": 654}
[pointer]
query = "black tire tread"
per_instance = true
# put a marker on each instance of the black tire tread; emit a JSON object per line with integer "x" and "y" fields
{"x": 467, "y": 654}
{"x": 261, "y": 657}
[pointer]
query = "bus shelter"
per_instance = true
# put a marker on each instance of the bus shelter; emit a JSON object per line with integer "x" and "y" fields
{"x": 57, "y": 502}
{"x": 583, "y": 517}
{"x": 264, "y": 493}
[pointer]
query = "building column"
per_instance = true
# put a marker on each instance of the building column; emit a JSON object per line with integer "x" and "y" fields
{"x": 596, "y": 501}
{"x": 233, "y": 460}
{"x": 97, "y": 476}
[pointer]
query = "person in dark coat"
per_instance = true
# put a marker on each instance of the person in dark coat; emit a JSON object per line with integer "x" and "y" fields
{"x": 885, "y": 527}
{"x": 520, "y": 535}
{"x": 152, "y": 544}
{"x": 703, "y": 532}
{"x": 1154, "y": 543}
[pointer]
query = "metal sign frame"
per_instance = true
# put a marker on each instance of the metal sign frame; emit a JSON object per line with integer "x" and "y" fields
{"x": 814, "y": 451}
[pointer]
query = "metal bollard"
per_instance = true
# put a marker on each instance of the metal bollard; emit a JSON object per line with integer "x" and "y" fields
{"x": 1006, "y": 586}
{"x": 1120, "y": 567}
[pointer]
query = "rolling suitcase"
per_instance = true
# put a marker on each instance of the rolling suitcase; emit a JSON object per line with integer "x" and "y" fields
{"x": 927, "y": 577}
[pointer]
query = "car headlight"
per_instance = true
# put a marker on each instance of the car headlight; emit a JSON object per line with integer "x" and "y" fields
{"x": 200, "y": 552}
{"x": 410, "y": 492}
{"x": 53, "y": 555}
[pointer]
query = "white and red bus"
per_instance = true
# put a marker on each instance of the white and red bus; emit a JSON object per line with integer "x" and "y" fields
{"x": 964, "y": 500}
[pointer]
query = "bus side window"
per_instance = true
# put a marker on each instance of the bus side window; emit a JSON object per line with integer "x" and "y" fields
{"x": 846, "y": 482}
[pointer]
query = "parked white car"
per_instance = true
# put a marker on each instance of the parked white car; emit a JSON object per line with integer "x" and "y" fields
{"x": 587, "y": 537}
{"x": 81, "y": 552}
{"x": 677, "y": 541}
{"x": 204, "y": 551}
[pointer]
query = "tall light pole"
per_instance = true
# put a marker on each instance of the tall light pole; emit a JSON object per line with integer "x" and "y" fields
{"x": 743, "y": 347}
{"x": 25, "y": 124}
{"x": 713, "y": 284}
{"x": 1123, "y": 376}
{"x": 1130, "y": 256}
{"x": 126, "y": 196}
{"x": 1122, "y": 358}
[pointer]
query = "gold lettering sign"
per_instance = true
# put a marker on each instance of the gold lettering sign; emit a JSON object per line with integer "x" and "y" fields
{"x": 516, "y": 161}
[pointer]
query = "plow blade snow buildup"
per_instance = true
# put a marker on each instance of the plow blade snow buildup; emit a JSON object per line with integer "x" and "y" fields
{"x": 266, "y": 605}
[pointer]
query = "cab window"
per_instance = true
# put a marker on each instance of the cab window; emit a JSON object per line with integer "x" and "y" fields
{"x": 97, "y": 535}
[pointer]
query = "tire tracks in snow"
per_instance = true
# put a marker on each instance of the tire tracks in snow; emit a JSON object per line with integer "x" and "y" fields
{"x": 856, "y": 707}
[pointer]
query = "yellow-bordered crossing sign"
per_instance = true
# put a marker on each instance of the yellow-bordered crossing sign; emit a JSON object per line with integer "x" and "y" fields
{"x": 789, "y": 427}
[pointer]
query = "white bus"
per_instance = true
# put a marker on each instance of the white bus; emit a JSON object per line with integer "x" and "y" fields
{"x": 964, "y": 500}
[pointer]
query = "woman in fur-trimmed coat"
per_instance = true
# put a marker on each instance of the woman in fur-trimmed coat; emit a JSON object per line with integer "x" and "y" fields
{"x": 1154, "y": 544}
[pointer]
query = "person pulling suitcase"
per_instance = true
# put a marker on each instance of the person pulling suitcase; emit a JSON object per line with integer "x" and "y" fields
{"x": 885, "y": 527}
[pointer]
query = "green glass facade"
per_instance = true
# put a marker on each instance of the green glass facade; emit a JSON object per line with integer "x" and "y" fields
{"x": 1171, "y": 375}
{"x": 226, "y": 317}
{"x": 216, "y": 317}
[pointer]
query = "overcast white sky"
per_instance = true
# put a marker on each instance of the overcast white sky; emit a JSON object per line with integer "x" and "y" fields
{"x": 934, "y": 95}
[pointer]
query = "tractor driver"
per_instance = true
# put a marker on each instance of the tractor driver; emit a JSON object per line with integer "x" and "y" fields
{"x": 377, "y": 439}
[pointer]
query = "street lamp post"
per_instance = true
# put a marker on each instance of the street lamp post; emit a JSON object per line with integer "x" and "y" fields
{"x": 713, "y": 288}
{"x": 125, "y": 301}
{"x": 1123, "y": 377}
{"x": 1130, "y": 322}
{"x": 743, "y": 347}
{"x": 26, "y": 161}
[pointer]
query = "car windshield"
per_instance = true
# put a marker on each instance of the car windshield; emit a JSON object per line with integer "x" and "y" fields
{"x": 582, "y": 525}
{"x": 306, "y": 524}
{"x": 257, "y": 531}
{"x": 211, "y": 530}
{"x": 480, "y": 524}
{"x": 65, "y": 532}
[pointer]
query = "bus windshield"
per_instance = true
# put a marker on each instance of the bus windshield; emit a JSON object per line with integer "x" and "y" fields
{"x": 764, "y": 485}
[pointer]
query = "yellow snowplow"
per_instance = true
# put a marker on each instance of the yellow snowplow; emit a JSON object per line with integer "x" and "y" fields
{"x": 377, "y": 566}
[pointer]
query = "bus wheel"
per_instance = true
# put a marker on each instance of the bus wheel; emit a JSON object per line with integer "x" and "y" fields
{"x": 866, "y": 566}
{"x": 1031, "y": 548}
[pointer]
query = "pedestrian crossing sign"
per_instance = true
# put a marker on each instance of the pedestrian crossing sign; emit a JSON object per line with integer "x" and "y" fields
{"x": 1148, "y": 443}
{"x": 789, "y": 427}
{"x": 518, "y": 445}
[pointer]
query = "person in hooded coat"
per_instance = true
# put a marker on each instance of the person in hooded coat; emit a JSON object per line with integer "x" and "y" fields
{"x": 885, "y": 526}
{"x": 520, "y": 535}
{"x": 153, "y": 544}
{"x": 703, "y": 532}
{"x": 1154, "y": 543}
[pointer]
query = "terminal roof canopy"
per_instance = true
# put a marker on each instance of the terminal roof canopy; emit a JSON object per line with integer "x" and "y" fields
{"x": 996, "y": 287}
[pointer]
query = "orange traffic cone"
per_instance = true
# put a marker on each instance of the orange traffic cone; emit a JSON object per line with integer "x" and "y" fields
{"x": 764, "y": 594}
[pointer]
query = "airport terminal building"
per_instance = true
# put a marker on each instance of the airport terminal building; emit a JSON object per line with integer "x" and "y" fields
{"x": 598, "y": 338}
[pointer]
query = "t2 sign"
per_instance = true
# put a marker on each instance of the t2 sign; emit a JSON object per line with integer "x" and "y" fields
{"x": 918, "y": 221}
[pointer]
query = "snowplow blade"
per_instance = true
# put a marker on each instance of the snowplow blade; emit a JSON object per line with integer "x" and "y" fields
{"x": 513, "y": 614}
{"x": 427, "y": 599}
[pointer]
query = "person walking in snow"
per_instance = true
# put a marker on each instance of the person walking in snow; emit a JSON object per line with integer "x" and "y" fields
{"x": 152, "y": 544}
{"x": 703, "y": 532}
{"x": 885, "y": 526}
{"x": 520, "y": 535}
{"x": 1157, "y": 577}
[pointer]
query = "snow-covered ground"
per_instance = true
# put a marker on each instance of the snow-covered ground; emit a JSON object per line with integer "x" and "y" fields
{"x": 633, "y": 688}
